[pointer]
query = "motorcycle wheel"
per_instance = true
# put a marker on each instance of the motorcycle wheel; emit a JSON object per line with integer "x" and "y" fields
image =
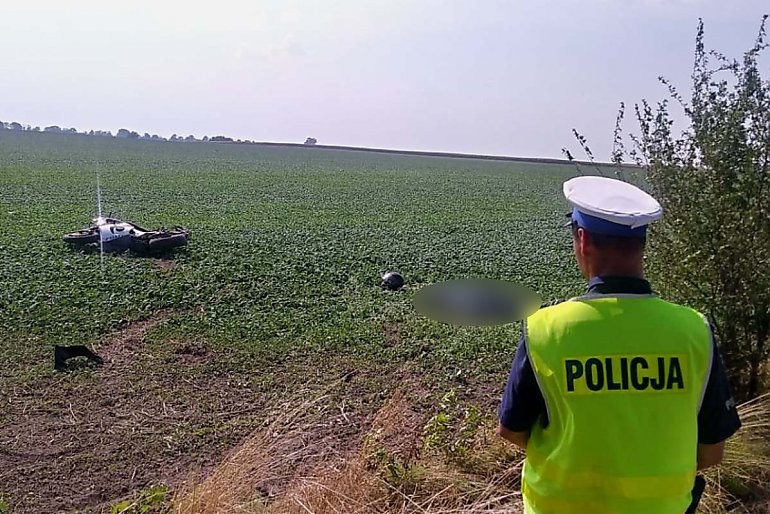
{"x": 81, "y": 237}
{"x": 167, "y": 242}
{"x": 158, "y": 243}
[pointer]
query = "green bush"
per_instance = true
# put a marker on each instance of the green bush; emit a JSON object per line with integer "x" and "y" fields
{"x": 712, "y": 249}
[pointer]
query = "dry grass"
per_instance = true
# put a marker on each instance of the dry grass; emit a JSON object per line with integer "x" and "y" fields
{"x": 249, "y": 476}
{"x": 392, "y": 472}
{"x": 742, "y": 482}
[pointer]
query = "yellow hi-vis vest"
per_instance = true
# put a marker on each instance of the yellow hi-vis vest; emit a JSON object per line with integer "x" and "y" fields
{"x": 623, "y": 378}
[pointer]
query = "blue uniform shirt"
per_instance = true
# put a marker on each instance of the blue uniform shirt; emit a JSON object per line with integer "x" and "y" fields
{"x": 523, "y": 404}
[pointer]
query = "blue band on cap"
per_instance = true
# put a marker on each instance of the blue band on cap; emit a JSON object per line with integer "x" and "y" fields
{"x": 606, "y": 228}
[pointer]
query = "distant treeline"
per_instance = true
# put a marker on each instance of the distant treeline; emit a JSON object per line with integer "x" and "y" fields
{"x": 121, "y": 133}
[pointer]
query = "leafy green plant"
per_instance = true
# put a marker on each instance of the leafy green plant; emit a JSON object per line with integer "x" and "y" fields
{"x": 401, "y": 474}
{"x": 437, "y": 433}
{"x": 454, "y": 431}
{"x": 153, "y": 499}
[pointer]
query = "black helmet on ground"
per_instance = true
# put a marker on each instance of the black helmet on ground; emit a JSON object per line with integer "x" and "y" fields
{"x": 392, "y": 280}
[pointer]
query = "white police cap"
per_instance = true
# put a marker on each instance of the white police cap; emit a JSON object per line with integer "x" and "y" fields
{"x": 627, "y": 208}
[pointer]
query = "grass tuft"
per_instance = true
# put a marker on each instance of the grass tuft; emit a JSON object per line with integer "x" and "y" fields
{"x": 742, "y": 482}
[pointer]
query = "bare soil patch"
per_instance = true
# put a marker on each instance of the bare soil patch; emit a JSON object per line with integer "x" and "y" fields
{"x": 164, "y": 264}
{"x": 81, "y": 440}
{"x": 163, "y": 413}
{"x": 392, "y": 336}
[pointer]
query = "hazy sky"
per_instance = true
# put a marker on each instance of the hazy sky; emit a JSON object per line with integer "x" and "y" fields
{"x": 484, "y": 76}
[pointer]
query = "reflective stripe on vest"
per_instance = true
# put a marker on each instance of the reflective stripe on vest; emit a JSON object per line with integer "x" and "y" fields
{"x": 622, "y": 378}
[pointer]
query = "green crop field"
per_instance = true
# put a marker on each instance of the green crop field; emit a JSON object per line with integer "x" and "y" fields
{"x": 277, "y": 294}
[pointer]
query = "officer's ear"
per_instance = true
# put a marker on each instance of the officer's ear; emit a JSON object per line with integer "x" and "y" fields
{"x": 583, "y": 245}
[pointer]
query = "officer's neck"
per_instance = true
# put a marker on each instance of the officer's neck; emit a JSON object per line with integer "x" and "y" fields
{"x": 614, "y": 268}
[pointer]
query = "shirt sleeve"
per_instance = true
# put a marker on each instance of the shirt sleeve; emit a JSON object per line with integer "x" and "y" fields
{"x": 718, "y": 418}
{"x": 522, "y": 402}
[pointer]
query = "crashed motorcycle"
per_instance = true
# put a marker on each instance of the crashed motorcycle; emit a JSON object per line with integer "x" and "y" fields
{"x": 112, "y": 235}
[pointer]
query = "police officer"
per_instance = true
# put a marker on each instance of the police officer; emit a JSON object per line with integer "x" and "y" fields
{"x": 618, "y": 396}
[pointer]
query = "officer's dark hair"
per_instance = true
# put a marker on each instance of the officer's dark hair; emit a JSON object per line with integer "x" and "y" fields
{"x": 618, "y": 243}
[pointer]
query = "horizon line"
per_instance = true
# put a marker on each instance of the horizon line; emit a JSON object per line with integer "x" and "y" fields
{"x": 392, "y": 151}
